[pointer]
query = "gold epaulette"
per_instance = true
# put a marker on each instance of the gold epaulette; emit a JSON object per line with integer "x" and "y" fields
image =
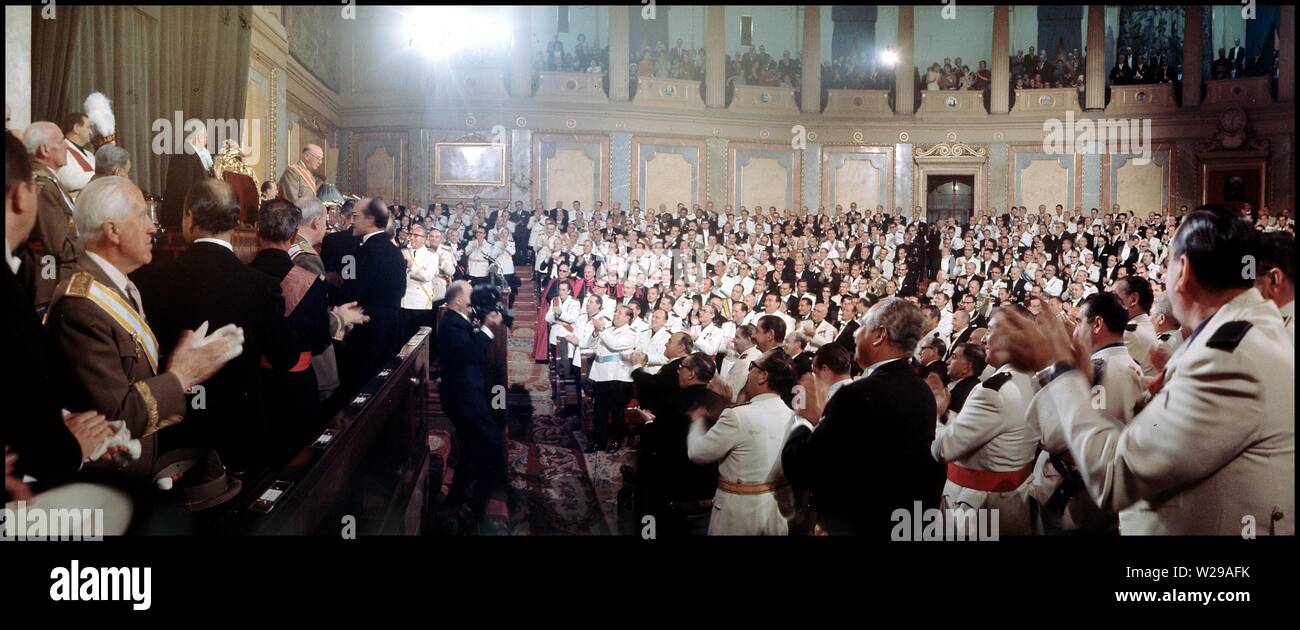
{"x": 79, "y": 285}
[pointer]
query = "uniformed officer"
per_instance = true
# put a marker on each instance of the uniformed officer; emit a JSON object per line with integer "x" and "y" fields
{"x": 1213, "y": 453}
{"x": 1139, "y": 334}
{"x": 611, "y": 378}
{"x": 98, "y": 318}
{"x": 989, "y": 447}
{"x": 1064, "y": 505}
{"x": 1169, "y": 331}
{"x": 753, "y": 497}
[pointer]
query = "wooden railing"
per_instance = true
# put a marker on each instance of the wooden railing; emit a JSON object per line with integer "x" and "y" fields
{"x": 368, "y": 463}
{"x": 1153, "y": 98}
{"x": 952, "y": 104}
{"x": 763, "y": 99}
{"x": 1051, "y": 102}
{"x": 675, "y": 93}
{"x": 1243, "y": 92}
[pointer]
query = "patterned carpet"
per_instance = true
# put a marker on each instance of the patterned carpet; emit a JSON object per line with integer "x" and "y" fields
{"x": 554, "y": 488}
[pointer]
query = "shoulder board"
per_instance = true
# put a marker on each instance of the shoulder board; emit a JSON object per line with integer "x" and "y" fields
{"x": 996, "y": 381}
{"x": 1130, "y": 327}
{"x": 1229, "y": 335}
{"x": 734, "y": 405}
{"x": 1165, "y": 336}
{"x": 79, "y": 284}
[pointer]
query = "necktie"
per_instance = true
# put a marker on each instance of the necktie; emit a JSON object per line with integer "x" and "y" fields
{"x": 134, "y": 294}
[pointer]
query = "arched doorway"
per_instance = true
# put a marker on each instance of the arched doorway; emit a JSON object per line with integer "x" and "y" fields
{"x": 949, "y": 197}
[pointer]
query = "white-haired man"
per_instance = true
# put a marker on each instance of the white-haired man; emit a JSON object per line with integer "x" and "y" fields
{"x": 297, "y": 180}
{"x": 55, "y": 234}
{"x": 80, "y": 166}
{"x": 191, "y": 163}
{"x": 98, "y": 318}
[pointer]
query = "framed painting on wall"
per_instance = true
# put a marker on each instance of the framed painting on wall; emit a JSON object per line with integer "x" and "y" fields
{"x": 469, "y": 164}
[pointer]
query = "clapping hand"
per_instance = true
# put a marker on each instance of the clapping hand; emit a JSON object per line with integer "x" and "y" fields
{"x": 814, "y": 398}
{"x": 351, "y": 314}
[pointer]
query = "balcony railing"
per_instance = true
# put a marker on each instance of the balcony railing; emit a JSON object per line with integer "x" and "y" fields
{"x": 675, "y": 93}
{"x": 1049, "y": 102}
{"x": 763, "y": 99}
{"x": 572, "y": 87}
{"x": 1244, "y": 92}
{"x": 858, "y": 104}
{"x": 952, "y": 104}
{"x": 1154, "y": 98}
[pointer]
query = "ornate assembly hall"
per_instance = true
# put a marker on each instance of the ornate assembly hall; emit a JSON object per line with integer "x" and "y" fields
{"x": 898, "y": 273}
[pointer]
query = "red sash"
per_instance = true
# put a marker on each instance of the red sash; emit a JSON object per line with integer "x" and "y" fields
{"x": 306, "y": 175}
{"x": 295, "y": 285}
{"x": 989, "y": 481}
{"x": 75, "y": 152}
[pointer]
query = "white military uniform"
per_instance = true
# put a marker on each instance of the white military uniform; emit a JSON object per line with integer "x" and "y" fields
{"x": 709, "y": 339}
{"x": 1120, "y": 393}
{"x": 569, "y": 312}
{"x": 655, "y": 345}
{"x": 1170, "y": 340}
{"x": 1140, "y": 338}
{"x": 990, "y": 444}
{"x": 612, "y": 348}
{"x": 1213, "y": 453}
{"x": 823, "y": 334}
{"x": 480, "y": 258}
{"x": 739, "y": 371}
{"x": 753, "y": 497}
{"x": 420, "y": 278}
{"x": 1288, "y": 318}
{"x": 446, "y": 266}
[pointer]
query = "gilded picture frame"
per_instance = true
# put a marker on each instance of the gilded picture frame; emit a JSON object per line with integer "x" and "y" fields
{"x": 469, "y": 164}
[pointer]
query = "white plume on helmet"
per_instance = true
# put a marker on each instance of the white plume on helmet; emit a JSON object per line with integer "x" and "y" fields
{"x": 100, "y": 111}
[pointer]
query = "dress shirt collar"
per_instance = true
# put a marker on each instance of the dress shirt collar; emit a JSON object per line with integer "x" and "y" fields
{"x": 367, "y": 237}
{"x": 119, "y": 279}
{"x": 225, "y": 244}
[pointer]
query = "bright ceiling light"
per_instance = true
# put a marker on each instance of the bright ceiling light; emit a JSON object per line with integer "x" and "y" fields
{"x": 888, "y": 57}
{"x": 441, "y": 31}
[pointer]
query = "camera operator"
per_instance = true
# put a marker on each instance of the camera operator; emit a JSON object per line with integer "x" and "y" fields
{"x": 464, "y": 359}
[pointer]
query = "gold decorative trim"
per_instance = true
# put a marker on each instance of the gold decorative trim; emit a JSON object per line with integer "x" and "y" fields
{"x": 150, "y": 405}
{"x": 272, "y": 121}
{"x": 953, "y": 149}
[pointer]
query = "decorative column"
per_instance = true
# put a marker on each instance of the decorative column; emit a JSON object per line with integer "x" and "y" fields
{"x": 1192, "y": 50}
{"x": 618, "y": 53}
{"x": 715, "y": 57}
{"x": 811, "y": 99}
{"x": 905, "y": 71}
{"x": 1286, "y": 55}
{"x": 521, "y": 62}
{"x": 1095, "y": 80}
{"x": 999, "y": 98}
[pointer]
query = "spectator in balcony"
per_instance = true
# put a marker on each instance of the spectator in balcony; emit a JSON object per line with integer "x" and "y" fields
{"x": 983, "y": 77}
{"x": 1257, "y": 67}
{"x": 1162, "y": 73}
{"x": 932, "y": 77}
{"x": 645, "y": 67}
{"x": 1222, "y": 68}
{"x": 1141, "y": 71}
{"x": 1122, "y": 73}
{"x": 555, "y": 52}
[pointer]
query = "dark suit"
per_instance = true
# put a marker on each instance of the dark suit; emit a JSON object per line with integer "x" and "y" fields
{"x": 183, "y": 171}
{"x": 960, "y": 390}
{"x": 845, "y": 338}
{"x": 34, "y": 428}
{"x": 463, "y": 357}
{"x": 853, "y": 494}
{"x": 208, "y": 283}
{"x": 653, "y": 390}
{"x": 335, "y": 246}
{"x": 378, "y": 287}
{"x": 294, "y": 407}
{"x": 665, "y": 474}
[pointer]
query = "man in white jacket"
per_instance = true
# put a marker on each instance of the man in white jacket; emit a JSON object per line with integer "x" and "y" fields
{"x": 753, "y": 497}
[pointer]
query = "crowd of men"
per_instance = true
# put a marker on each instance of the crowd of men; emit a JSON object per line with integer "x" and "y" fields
{"x": 765, "y": 349}
{"x": 1081, "y": 371}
